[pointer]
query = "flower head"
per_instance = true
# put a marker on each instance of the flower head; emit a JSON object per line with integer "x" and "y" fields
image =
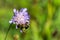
{"x": 20, "y": 17}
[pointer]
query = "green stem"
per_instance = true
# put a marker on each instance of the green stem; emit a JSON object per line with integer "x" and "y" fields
{"x": 8, "y": 31}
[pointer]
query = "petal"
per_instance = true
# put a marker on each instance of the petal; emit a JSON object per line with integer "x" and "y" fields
{"x": 25, "y": 13}
{"x": 21, "y": 31}
{"x": 14, "y": 10}
{"x": 25, "y": 9}
{"x": 10, "y": 21}
{"x": 21, "y": 10}
{"x": 16, "y": 27}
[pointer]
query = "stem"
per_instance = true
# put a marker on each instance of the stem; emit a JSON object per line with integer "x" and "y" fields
{"x": 49, "y": 21}
{"x": 34, "y": 30}
{"x": 8, "y": 31}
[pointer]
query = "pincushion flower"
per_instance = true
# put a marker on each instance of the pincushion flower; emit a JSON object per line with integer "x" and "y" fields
{"x": 20, "y": 18}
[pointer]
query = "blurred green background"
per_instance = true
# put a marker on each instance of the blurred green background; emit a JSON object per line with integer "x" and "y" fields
{"x": 44, "y": 19}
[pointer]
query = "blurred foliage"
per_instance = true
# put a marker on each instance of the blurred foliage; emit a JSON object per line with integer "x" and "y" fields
{"x": 44, "y": 19}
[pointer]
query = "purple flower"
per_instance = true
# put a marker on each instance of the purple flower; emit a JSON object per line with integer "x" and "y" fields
{"x": 20, "y": 17}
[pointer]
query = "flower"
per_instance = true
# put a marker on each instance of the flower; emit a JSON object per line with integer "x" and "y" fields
{"x": 20, "y": 17}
